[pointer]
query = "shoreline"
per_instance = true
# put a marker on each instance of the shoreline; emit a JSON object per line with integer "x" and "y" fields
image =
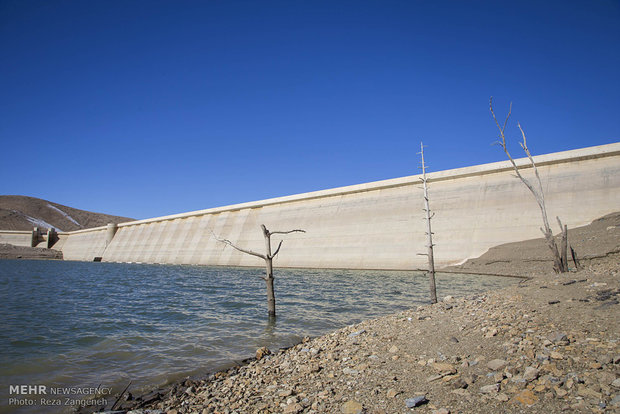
{"x": 11, "y": 252}
{"x": 548, "y": 343}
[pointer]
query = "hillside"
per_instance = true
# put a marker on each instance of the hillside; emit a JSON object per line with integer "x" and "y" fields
{"x": 24, "y": 213}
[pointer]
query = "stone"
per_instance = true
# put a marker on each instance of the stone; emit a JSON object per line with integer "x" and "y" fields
{"x": 416, "y": 401}
{"x": 556, "y": 355}
{"x": 262, "y": 352}
{"x": 616, "y": 383}
{"x": 587, "y": 392}
{"x": 285, "y": 393}
{"x": 497, "y": 364}
{"x": 559, "y": 392}
{"x": 352, "y": 407}
{"x": 441, "y": 411}
{"x": 490, "y": 389}
{"x": 393, "y": 349}
{"x": 293, "y": 408}
{"x": 615, "y": 401}
{"x": 502, "y": 397}
{"x": 392, "y": 393}
{"x": 526, "y": 398}
{"x": 459, "y": 383}
{"x": 530, "y": 374}
{"x": 444, "y": 368}
{"x": 558, "y": 338}
{"x": 354, "y": 334}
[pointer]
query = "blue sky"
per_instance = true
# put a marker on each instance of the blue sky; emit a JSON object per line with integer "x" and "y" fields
{"x": 149, "y": 108}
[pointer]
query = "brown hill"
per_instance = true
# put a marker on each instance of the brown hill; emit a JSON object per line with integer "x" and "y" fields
{"x": 24, "y": 213}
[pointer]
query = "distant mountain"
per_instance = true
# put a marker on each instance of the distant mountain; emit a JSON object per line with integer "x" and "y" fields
{"x": 24, "y": 213}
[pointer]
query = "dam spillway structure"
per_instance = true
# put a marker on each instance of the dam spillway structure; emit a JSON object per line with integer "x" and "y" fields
{"x": 375, "y": 225}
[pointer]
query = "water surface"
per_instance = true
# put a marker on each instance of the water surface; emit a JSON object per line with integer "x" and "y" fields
{"x": 84, "y": 324}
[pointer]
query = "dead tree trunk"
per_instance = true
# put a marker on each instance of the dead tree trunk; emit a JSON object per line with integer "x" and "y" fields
{"x": 559, "y": 265}
{"x": 268, "y": 258}
{"x": 429, "y": 253}
{"x": 271, "y": 296}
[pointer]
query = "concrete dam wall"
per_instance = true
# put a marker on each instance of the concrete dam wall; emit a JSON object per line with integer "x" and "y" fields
{"x": 376, "y": 225}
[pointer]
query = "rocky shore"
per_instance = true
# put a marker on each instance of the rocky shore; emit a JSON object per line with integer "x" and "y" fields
{"x": 547, "y": 344}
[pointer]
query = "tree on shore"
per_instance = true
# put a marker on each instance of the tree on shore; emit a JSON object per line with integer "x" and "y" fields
{"x": 560, "y": 259}
{"x": 268, "y": 258}
{"x": 429, "y": 233}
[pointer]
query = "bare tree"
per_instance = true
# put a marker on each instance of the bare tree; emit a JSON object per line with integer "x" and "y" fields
{"x": 429, "y": 233}
{"x": 268, "y": 258}
{"x": 560, "y": 263}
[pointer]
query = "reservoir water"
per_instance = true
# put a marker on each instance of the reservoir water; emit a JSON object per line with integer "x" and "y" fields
{"x": 73, "y": 324}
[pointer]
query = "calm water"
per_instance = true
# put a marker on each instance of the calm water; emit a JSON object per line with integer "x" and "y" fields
{"x": 84, "y": 324}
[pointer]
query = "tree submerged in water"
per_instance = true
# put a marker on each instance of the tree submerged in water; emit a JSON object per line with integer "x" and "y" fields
{"x": 268, "y": 258}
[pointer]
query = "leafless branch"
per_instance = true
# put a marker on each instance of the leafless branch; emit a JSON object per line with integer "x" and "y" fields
{"x": 231, "y": 244}
{"x": 277, "y": 250}
{"x": 287, "y": 232}
{"x": 505, "y": 148}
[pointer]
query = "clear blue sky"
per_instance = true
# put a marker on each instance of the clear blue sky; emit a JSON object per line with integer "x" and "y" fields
{"x": 149, "y": 108}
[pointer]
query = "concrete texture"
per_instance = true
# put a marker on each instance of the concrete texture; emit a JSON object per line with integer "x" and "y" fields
{"x": 375, "y": 225}
{"x": 16, "y": 237}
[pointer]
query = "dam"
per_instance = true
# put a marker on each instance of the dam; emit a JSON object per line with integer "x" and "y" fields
{"x": 377, "y": 225}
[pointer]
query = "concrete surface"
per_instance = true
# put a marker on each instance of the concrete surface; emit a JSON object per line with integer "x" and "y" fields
{"x": 376, "y": 225}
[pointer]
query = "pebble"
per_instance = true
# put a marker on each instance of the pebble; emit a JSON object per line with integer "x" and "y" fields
{"x": 526, "y": 397}
{"x": 489, "y": 389}
{"x": 352, "y": 407}
{"x": 530, "y": 374}
{"x": 556, "y": 355}
{"x": 416, "y": 401}
{"x": 497, "y": 364}
{"x": 262, "y": 352}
